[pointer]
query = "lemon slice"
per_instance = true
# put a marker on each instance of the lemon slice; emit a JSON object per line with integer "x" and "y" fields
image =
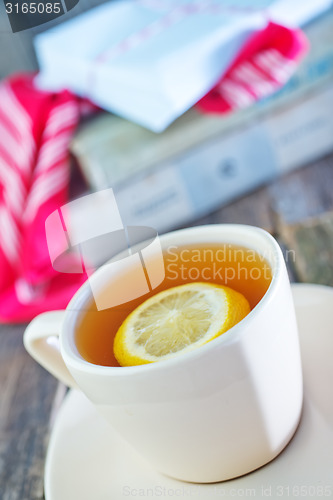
{"x": 177, "y": 320}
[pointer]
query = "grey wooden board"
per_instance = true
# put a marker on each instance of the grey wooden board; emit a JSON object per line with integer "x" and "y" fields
{"x": 27, "y": 395}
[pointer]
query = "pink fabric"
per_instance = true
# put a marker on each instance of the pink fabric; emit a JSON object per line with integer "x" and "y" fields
{"x": 35, "y": 130}
{"x": 265, "y": 64}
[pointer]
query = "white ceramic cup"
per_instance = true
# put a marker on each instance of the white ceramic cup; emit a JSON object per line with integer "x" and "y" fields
{"x": 212, "y": 414}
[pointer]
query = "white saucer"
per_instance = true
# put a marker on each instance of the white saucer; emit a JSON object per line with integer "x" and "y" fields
{"x": 86, "y": 460}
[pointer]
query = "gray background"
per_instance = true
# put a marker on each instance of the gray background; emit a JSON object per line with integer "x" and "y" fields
{"x": 16, "y": 49}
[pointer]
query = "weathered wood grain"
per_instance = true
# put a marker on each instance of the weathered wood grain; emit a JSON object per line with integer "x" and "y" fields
{"x": 302, "y": 219}
{"x": 304, "y": 193}
{"x": 312, "y": 243}
{"x": 26, "y": 400}
{"x": 292, "y": 203}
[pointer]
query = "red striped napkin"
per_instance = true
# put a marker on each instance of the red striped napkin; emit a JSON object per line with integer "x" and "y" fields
{"x": 264, "y": 65}
{"x": 35, "y": 131}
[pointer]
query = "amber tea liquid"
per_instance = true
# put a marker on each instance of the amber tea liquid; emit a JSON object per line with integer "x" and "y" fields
{"x": 239, "y": 268}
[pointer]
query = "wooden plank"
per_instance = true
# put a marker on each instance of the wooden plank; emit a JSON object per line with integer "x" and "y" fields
{"x": 26, "y": 401}
{"x": 293, "y": 209}
{"x": 301, "y": 207}
{"x": 311, "y": 242}
{"x": 304, "y": 193}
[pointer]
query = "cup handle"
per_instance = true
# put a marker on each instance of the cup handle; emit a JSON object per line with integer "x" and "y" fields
{"x": 37, "y": 341}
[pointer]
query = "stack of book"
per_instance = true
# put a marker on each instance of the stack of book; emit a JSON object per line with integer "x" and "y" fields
{"x": 204, "y": 161}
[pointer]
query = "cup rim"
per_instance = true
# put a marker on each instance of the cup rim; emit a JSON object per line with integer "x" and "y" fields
{"x": 231, "y": 336}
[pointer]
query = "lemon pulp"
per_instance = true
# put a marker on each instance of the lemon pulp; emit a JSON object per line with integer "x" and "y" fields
{"x": 177, "y": 320}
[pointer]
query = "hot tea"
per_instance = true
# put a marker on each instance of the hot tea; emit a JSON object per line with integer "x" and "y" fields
{"x": 237, "y": 267}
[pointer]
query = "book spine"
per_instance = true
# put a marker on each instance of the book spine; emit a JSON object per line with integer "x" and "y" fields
{"x": 220, "y": 170}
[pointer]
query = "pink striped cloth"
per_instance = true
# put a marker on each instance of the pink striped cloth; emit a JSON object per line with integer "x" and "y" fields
{"x": 265, "y": 64}
{"x": 35, "y": 130}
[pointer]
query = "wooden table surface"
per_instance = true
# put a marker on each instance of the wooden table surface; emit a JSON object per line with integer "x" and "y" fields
{"x": 30, "y": 397}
